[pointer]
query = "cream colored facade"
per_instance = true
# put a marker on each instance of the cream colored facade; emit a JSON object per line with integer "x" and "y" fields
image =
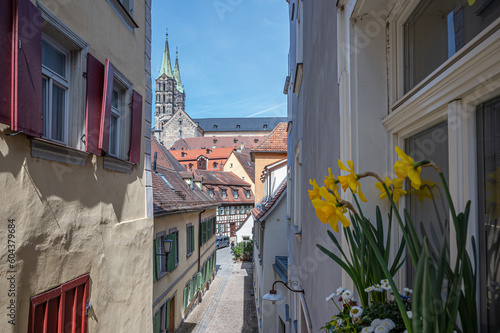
{"x": 234, "y": 165}
{"x": 261, "y": 161}
{"x": 170, "y": 286}
{"x": 71, "y": 220}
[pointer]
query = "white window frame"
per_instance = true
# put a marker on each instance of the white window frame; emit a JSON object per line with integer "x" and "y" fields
{"x": 56, "y": 79}
{"x": 458, "y": 86}
{"x": 72, "y": 151}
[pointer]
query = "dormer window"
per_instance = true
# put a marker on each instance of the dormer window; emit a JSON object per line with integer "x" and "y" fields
{"x": 247, "y": 194}
{"x": 215, "y": 165}
{"x": 215, "y": 140}
{"x": 235, "y": 194}
{"x": 190, "y": 166}
{"x": 211, "y": 193}
{"x": 183, "y": 154}
{"x": 224, "y": 194}
{"x": 265, "y": 126}
{"x": 208, "y": 151}
{"x": 238, "y": 126}
{"x": 235, "y": 140}
{"x": 255, "y": 140}
{"x": 215, "y": 126}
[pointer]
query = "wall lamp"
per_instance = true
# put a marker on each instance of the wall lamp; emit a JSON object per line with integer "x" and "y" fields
{"x": 273, "y": 296}
{"x": 167, "y": 247}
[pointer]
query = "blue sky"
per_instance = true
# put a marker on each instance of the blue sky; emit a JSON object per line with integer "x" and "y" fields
{"x": 233, "y": 54}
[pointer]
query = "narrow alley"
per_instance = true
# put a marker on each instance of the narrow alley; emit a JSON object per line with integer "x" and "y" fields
{"x": 228, "y": 305}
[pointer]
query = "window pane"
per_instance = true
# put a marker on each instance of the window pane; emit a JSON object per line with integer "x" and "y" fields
{"x": 428, "y": 207}
{"x": 53, "y": 59}
{"x": 438, "y": 29}
{"x": 113, "y": 135}
{"x": 58, "y": 116}
{"x": 489, "y": 212}
{"x": 45, "y": 107}
{"x": 115, "y": 100}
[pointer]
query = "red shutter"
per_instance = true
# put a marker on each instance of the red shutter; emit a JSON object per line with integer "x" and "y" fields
{"x": 6, "y": 22}
{"x": 61, "y": 309}
{"x": 136, "y": 129}
{"x": 27, "y": 113}
{"x": 106, "y": 107}
{"x": 95, "y": 84}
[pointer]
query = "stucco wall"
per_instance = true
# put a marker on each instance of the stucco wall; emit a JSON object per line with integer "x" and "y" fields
{"x": 238, "y": 170}
{"x": 72, "y": 220}
{"x": 274, "y": 244}
{"x": 316, "y": 123}
{"x": 261, "y": 161}
{"x": 164, "y": 288}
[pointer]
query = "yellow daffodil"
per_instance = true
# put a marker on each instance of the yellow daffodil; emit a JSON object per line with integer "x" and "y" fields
{"x": 397, "y": 192}
{"x": 332, "y": 183}
{"x": 425, "y": 190}
{"x": 408, "y": 168}
{"x": 471, "y": 2}
{"x": 328, "y": 210}
{"x": 350, "y": 180}
{"x": 314, "y": 193}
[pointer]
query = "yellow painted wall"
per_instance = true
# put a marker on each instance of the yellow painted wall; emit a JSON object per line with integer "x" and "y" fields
{"x": 238, "y": 170}
{"x": 188, "y": 266}
{"x": 73, "y": 220}
{"x": 261, "y": 161}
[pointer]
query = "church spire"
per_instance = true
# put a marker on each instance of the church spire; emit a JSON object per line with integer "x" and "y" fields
{"x": 177, "y": 73}
{"x": 166, "y": 66}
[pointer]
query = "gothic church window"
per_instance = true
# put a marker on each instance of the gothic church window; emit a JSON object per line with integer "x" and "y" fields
{"x": 164, "y": 98}
{"x": 180, "y": 134}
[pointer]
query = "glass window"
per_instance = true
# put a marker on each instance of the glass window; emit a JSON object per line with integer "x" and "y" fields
{"x": 114, "y": 131}
{"x": 235, "y": 194}
{"x": 55, "y": 91}
{"x": 428, "y": 207}
{"x": 436, "y": 30}
{"x": 224, "y": 194}
{"x": 488, "y": 125}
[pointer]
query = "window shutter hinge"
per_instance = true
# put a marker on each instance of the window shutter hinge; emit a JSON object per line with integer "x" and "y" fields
{"x": 85, "y": 74}
{"x": 88, "y": 306}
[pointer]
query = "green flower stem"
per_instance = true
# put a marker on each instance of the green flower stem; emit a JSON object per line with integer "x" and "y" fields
{"x": 383, "y": 264}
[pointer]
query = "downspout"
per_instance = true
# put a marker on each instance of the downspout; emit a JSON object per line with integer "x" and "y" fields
{"x": 199, "y": 238}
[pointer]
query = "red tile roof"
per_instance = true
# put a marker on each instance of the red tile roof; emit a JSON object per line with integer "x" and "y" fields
{"x": 171, "y": 194}
{"x": 164, "y": 158}
{"x": 260, "y": 210}
{"x": 276, "y": 142}
{"x": 219, "y": 142}
{"x": 192, "y": 155}
{"x": 228, "y": 181}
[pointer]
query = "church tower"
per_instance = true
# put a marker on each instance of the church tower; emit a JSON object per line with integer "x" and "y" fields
{"x": 170, "y": 96}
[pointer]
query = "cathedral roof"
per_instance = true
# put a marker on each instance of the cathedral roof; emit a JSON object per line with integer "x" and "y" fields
{"x": 166, "y": 66}
{"x": 251, "y": 124}
{"x": 177, "y": 73}
{"x": 212, "y": 154}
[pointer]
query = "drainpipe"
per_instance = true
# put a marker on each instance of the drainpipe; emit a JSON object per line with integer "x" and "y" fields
{"x": 199, "y": 239}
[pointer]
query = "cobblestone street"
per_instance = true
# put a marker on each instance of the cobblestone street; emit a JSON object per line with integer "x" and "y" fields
{"x": 227, "y": 306}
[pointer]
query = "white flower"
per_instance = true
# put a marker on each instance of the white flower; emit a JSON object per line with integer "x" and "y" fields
{"x": 381, "y": 329}
{"x": 408, "y": 290}
{"x": 356, "y": 311}
{"x": 332, "y": 295}
{"x": 376, "y": 322}
{"x": 346, "y": 295}
{"x": 386, "y": 287}
{"x": 384, "y": 281}
{"x": 388, "y": 323}
{"x": 377, "y": 287}
{"x": 368, "y": 329}
{"x": 369, "y": 289}
{"x": 340, "y": 290}
{"x": 409, "y": 313}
